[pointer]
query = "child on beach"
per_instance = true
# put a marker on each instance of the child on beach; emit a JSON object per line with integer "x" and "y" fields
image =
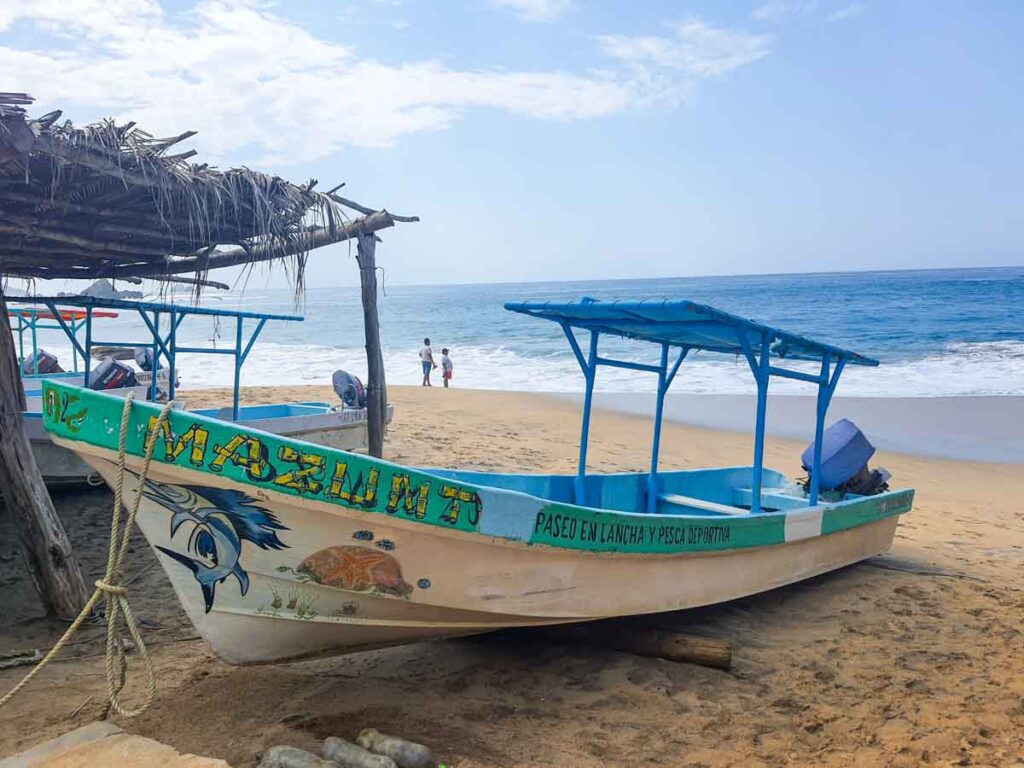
{"x": 446, "y": 366}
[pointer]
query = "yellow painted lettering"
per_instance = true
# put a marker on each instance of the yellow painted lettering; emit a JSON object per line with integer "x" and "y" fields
{"x": 456, "y": 498}
{"x": 349, "y": 492}
{"x": 247, "y": 452}
{"x": 413, "y": 501}
{"x": 305, "y": 479}
{"x": 194, "y": 439}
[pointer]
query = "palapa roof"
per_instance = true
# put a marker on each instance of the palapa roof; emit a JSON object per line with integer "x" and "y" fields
{"x": 109, "y": 200}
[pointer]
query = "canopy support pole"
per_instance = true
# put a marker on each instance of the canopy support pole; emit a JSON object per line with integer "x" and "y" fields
{"x": 35, "y": 346}
{"x": 88, "y": 346}
{"x": 590, "y": 372}
{"x": 171, "y": 361}
{"x": 762, "y": 369}
{"x": 155, "y": 350}
{"x": 819, "y": 428}
{"x": 763, "y": 376}
{"x": 652, "y": 478}
{"x": 238, "y": 368}
{"x": 826, "y": 388}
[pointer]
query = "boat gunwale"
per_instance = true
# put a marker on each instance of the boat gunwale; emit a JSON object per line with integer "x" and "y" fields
{"x": 901, "y": 499}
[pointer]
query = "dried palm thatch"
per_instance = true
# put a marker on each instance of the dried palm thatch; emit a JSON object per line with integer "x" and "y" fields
{"x": 108, "y": 200}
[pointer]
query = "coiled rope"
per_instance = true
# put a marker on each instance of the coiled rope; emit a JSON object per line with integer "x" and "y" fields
{"x": 111, "y": 587}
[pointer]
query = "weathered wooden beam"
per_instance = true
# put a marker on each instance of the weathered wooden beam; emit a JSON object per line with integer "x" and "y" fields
{"x": 37, "y": 227}
{"x": 376, "y": 394}
{"x": 114, "y": 216}
{"x": 32, "y": 253}
{"x": 265, "y": 251}
{"x": 364, "y": 210}
{"x": 183, "y": 281}
{"x": 45, "y": 544}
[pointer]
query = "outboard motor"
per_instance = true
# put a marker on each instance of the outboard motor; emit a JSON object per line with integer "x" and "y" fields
{"x": 350, "y": 389}
{"x": 112, "y": 374}
{"x": 845, "y": 453}
{"x": 144, "y": 358}
{"x": 41, "y": 362}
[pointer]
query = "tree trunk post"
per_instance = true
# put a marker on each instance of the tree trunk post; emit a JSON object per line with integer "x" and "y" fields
{"x": 376, "y": 391}
{"x": 48, "y": 553}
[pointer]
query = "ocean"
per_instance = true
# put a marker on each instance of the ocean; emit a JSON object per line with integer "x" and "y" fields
{"x": 936, "y": 332}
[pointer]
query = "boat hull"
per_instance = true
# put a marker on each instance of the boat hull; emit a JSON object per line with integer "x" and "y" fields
{"x": 59, "y": 466}
{"x": 280, "y": 549}
{"x": 344, "y": 430}
{"x": 438, "y": 583}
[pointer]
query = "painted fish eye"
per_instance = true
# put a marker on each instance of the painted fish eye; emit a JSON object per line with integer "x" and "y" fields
{"x": 202, "y": 544}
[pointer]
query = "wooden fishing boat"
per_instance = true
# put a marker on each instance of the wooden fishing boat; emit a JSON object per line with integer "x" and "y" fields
{"x": 280, "y": 549}
{"x": 319, "y": 422}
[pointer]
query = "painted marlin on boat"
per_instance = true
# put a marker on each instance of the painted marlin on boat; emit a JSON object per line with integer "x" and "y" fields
{"x": 222, "y": 519}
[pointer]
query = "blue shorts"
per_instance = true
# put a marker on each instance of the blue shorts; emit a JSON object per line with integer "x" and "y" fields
{"x": 426, "y": 367}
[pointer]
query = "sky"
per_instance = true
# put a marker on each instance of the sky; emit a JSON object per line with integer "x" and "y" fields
{"x": 576, "y": 139}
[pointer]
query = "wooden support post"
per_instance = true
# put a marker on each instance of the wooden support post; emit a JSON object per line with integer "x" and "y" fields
{"x": 47, "y": 550}
{"x": 376, "y": 391}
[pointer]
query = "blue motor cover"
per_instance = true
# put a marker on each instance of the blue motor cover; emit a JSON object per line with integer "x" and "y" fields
{"x": 844, "y": 452}
{"x": 350, "y": 389}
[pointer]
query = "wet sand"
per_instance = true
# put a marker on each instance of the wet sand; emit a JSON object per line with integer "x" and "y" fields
{"x": 914, "y": 657}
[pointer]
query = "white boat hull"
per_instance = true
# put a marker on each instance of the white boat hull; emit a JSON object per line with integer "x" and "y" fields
{"x": 450, "y": 583}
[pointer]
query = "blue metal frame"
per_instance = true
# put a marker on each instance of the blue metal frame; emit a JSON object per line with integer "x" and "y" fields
{"x": 29, "y": 320}
{"x": 161, "y": 345}
{"x": 687, "y": 326}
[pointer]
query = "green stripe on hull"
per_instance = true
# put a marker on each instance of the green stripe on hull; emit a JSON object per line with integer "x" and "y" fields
{"x": 867, "y": 510}
{"x": 364, "y": 484}
{"x": 564, "y": 525}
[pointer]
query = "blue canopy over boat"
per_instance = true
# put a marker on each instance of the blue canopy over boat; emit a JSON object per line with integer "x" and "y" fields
{"x": 688, "y": 326}
{"x": 685, "y": 324}
{"x": 162, "y": 342}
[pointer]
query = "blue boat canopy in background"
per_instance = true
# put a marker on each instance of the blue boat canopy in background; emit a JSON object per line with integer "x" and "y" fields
{"x": 163, "y": 341}
{"x": 684, "y": 324}
{"x": 689, "y": 326}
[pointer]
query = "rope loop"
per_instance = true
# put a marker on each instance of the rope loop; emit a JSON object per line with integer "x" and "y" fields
{"x": 110, "y": 588}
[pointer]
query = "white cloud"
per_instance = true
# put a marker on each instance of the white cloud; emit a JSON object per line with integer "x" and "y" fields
{"x": 695, "y": 47}
{"x": 847, "y": 12}
{"x": 264, "y": 90}
{"x": 776, "y": 10}
{"x": 536, "y": 10}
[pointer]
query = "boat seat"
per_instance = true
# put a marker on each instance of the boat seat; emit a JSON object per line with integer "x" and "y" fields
{"x": 710, "y": 506}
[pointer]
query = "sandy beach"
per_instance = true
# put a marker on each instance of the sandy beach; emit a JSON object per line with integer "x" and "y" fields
{"x": 913, "y": 657}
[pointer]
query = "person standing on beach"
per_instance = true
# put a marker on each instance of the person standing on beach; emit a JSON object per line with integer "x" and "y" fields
{"x": 446, "y": 367}
{"x": 427, "y": 361}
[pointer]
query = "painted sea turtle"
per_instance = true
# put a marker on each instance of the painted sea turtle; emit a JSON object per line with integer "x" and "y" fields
{"x": 359, "y": 569}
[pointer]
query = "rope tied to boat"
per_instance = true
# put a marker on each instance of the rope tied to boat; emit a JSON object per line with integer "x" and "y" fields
{"x": 111, "y": 589}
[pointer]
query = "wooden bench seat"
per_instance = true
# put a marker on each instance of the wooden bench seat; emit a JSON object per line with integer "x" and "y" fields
{"x": 710, "y": 506}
